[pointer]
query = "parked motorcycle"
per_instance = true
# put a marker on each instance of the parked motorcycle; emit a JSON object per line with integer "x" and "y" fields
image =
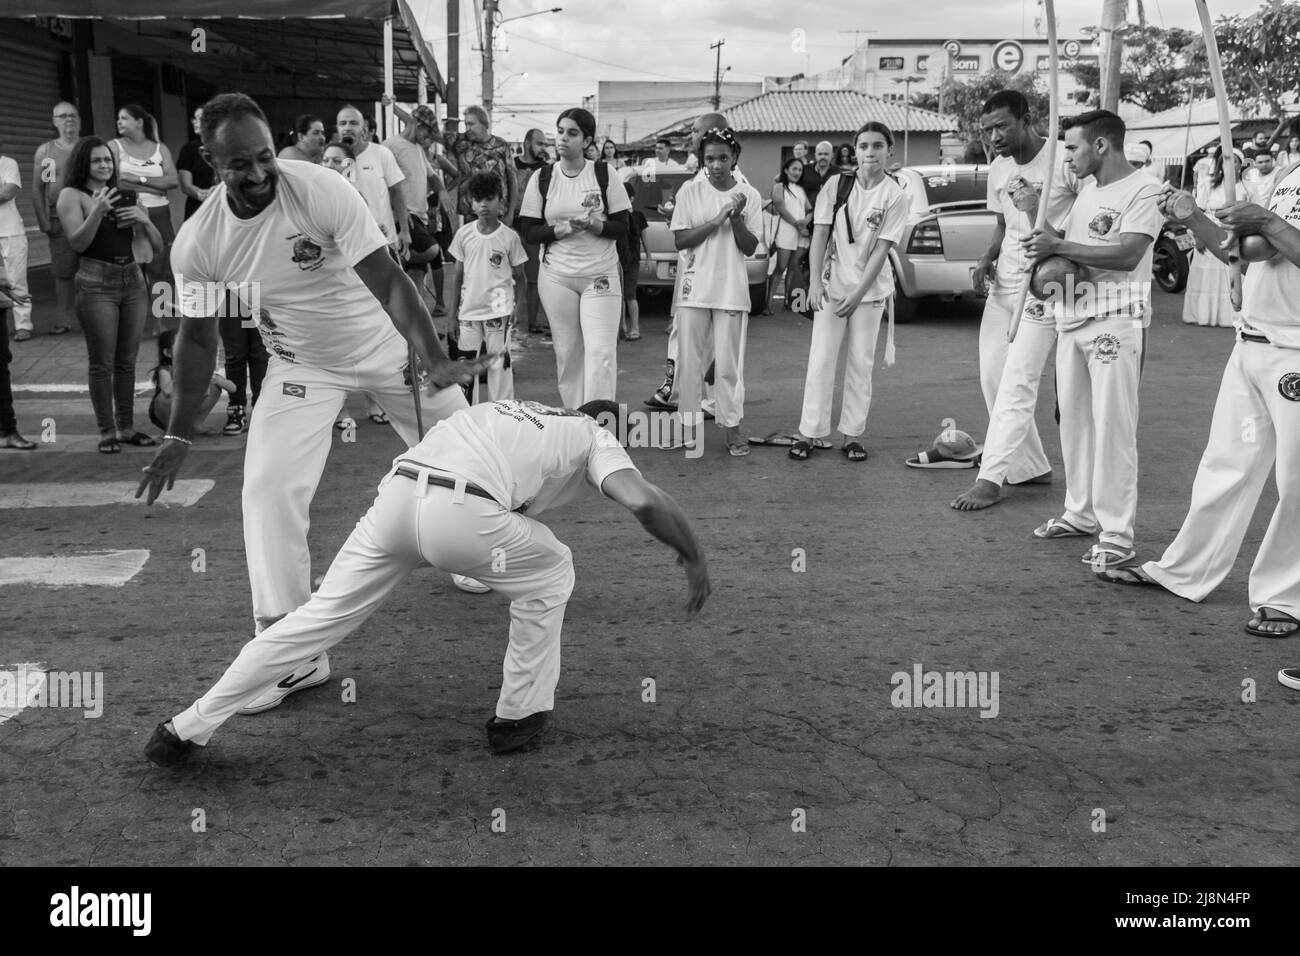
{"x": 1171, "y": 257}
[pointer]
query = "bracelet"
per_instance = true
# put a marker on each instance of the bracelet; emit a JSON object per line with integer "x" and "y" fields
{"x": 183, "y": 441}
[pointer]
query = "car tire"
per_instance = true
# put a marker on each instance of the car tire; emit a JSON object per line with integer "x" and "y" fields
{"x": 905, "y": 307}
{"x": 1170, "y": 266}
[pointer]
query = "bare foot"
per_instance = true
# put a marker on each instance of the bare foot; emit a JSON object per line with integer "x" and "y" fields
{"x": 1044, "y": 479}
{"x": 983, "y": 494}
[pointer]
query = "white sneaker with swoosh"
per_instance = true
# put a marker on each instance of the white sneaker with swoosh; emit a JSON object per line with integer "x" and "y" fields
{"x": 311, "y": 674}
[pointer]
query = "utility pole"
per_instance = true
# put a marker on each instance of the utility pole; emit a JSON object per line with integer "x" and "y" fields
{"x": 1112, "y": 51}
{"x": 489, "y": 24}
{"x": 452, "y": 121}
{"x": 717, "y": 74}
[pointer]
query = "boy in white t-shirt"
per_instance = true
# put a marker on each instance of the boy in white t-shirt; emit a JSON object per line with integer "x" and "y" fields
{"x": 1101, "y": 317}
{"x": 489, "y": 262}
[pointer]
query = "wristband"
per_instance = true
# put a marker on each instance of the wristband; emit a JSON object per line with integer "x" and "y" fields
{"x": 183, "y": 441}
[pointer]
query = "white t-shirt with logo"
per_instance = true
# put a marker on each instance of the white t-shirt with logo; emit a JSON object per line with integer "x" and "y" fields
{"x": 1100, "y": 216}
{"x": 1007, "y": 178}
{"x": 377, "y": 172}
{"x": 879, "y": 211}
{"x": 11, "y": 220}
{"x": 1270, "y": 290}
{"x": 530, "y": 457}
{"x": 713, "y": 274}
{"x": 292, "y": 262}
{"x": 487, "y": 264}
{"x": 579, "y": 253}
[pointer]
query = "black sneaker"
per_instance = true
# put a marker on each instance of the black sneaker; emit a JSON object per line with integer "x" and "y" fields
{"x": 165, "y": 749}
{"x": 234, "y": 420}
{"x": 507, "y": 735}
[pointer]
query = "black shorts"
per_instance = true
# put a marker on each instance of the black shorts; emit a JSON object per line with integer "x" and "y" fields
{"x": 629, "y": 281}
{"x": 421, "y": 241}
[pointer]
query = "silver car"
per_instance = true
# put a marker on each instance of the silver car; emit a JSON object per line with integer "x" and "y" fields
{"x": 948, "y": 230}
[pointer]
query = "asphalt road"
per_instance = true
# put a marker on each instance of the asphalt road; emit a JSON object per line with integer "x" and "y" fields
{"x": 771, "y": 737}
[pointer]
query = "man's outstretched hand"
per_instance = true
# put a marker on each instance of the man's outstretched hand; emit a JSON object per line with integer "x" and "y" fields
{"x": 697, "y": 581}
{"x": 161, "y": 472}
{"x": 449, "y": 372}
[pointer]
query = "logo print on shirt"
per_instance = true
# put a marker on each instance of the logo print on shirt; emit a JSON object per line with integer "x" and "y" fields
{"x": 294, "y": 390}
{"x": 1106, "y": 347}
{"x": 686, "y": 288}
{"x": 495, "y": 260}
{"x": 591, "y": 200}
{"x": 601, "y": 284}
{"x": 307, "y": 254}
{"x": 1102, "y": 224}
{"x": 1289, "y": 386}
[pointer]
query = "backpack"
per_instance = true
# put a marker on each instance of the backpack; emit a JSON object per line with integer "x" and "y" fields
{"x": 842, "y": 192}
{"x": 545, "y": 174}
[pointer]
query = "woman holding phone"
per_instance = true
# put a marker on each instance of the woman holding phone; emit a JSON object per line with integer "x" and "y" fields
{"x": 112, "y": 302}
{"x": 145, "y": 165}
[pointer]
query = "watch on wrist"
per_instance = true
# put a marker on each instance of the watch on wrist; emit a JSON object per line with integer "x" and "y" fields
{"x": 143, "y": 181}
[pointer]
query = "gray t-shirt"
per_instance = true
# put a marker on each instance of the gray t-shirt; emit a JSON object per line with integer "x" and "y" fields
{"x": 415, "y": 167}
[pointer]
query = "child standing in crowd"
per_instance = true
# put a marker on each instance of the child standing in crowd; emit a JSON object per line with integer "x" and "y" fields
{"x": 794, "y": 217}
{"x": 858, "y": 219}
{"x": 1206, "y": 301}
{"x": 489, "y": 264}
{"x": 629, "y": 256}
{"x": 160, "y": 406}
{"x": 716, "y": 222}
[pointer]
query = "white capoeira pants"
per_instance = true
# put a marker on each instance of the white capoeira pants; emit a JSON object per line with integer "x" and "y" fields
{"x": 584, "y": 312}
{"x": 478, "y": 335}
{"x": 1012, "y": 449}
{"x": 1097, "y": 371}
{"x": 13, "y": 252}
{"x": 721, "y": 333}
{"x": 1012, "y": 441}
{"x": 1254, "y": 425}
{"x": 288, "y": 442}
{"x": 828, "y": 330}
{"x": 411, "y": 524}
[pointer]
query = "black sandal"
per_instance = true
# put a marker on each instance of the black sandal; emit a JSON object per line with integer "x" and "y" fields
{"x": 109, "y": 446}
{"x": 854, "y": 451}
{"x": 139, "y": 439}
{"x": 800, "y": 450}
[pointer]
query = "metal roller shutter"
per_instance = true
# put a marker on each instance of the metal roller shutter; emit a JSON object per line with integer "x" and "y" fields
{"x": 29, "y": 88}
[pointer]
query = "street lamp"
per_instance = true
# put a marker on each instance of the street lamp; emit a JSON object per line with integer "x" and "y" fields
{"x": 507, "y": 80}
{"x": 525, "y": 16}
{"x": 492, "y": 20}
{"x": 907, "y": 82}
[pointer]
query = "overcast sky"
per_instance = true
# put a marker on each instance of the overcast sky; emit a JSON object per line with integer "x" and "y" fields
{"x": 562, "y": 53}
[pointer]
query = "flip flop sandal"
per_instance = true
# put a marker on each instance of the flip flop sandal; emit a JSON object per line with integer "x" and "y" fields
{"x": 343, "y": 424}
{"x": 737, "y": 449}
{"x": 1272, "y": 614}
{"x": 854, "y": 452}
{"x": 1060, "y": 528}
{"x": 633, "y": 336}
{"x": 139, "y": 439}
{"x": 1289, "y": 677}
{"x": 785, "y": 441}
{"x": 1132, "y": 575}
{"x": 110, "y": 446}
{"x": 379, "y": 418}
{"x": 934, "y": 458}
{"x": 1102, "y": 559}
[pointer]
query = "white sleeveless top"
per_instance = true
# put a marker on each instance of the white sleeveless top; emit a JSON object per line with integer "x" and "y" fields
{"x": 129, "y": 168}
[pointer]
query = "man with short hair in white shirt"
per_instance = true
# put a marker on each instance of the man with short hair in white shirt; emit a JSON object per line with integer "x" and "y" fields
{"x": 379, "y": 178}
{"x": 297, "y": 245}
{"x": 464, "y": 500}
{"x": 1102, "y": 311}
{"x": 13, "y": 246}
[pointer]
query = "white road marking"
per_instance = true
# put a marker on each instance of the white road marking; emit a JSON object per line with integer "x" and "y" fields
{"x": 95, "y": 568}
{"x": 72, "y": 387}
{"x": 74, "y": 494}
{"x": 8, "y": 713}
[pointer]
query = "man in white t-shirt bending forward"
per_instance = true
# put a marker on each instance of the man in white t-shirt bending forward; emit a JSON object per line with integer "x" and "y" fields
{"x": 1102, "y": 310}
{"x": 457, "y": 500}
{"x": 305, "y": 259}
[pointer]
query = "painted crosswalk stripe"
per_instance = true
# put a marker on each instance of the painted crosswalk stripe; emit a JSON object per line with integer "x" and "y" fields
{"x": 80, "y": 569}
{"x": 70, "y": 387}
{"x": 14, "y": 698}
{"x": 82, "y": 494}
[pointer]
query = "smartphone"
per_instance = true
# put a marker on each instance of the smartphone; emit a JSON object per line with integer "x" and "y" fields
{"x": 124, "y": 198}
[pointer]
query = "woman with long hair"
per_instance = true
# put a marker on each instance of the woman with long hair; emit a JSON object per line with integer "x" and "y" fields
{"x": 609, "y": 153}
{"x": 308, "y": 144}
{"x": 790, "y": 203}
{"x": 144, "y": 165}
{"x": 1206, "y": 301}
{"x": 578, "y": 224}
{"x": 844, "y": 158}
{"x": 112, "y": 301}
{"x": 851, "y": 282}
{"x": 1291, "y": 155}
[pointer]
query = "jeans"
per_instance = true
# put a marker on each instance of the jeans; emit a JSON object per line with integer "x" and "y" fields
{"x": 112, "y": 305}
{"x": 246, "y": 357}
{"x": 8, "y": 424}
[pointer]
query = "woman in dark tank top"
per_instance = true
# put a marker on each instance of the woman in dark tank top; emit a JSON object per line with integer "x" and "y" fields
{"x": 102, "y": 224}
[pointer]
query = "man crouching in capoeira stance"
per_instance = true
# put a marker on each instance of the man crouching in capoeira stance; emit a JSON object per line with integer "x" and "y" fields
{"x": 457, "y": 501}
{"x": 1256, "y": 422}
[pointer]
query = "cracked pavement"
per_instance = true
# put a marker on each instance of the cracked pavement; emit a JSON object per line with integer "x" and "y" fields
{"x": 777, "y": 698}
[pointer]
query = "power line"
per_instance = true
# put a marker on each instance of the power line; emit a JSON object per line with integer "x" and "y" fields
{"x": 618, "y": 66}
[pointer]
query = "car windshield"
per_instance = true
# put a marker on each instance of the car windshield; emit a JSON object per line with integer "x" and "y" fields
{"x": 652, "y": 194}
{"x": 954, "y": 186}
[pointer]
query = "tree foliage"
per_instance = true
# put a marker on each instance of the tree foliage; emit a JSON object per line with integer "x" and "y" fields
{"x": 1261, "y": 57}
{"x": 964, "y": 99}
{"x": 1157, "y": 70}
